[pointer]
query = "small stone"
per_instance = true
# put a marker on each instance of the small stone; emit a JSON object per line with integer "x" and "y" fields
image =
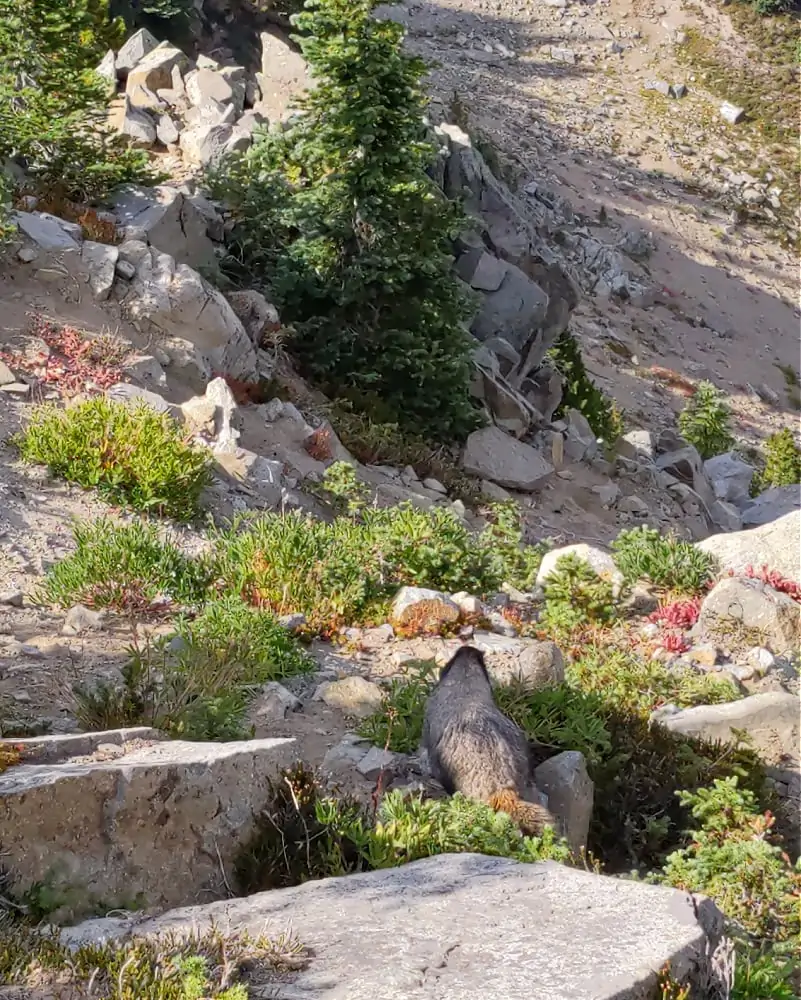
{"x": 650, "y": 630}
{"x": 354, "y": 696}
{"x": 704, "y": 655}
{"x": 27, "y": 255}
{"x": 374, "y": 762}
{"x": 678, "y": 90}
{"x": 740, "y": 672}
{"x": 761, "y": 659}
{"x": 275, "y": 702}
{"x": 82, "y": 619}
{"x": 23, "y": 697}
{"x": 607, "y": 494}
{"x": 125, "y": 270}
{"x": 434, "y": 485}
{"x": 731, "y": 113}
{"x": 562, "y": 55}
{"x": 13, "y": 598}
{"x": 660, "y": 86}
{"x": 468, "y": 604}
{"x": 633, "y": 505}
{"x": 293, "y": 622}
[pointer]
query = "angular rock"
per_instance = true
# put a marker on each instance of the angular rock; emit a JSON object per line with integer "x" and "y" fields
{"x": 167, "y": 130}
{"x": 263, "y": 476}
{"x": 135, "y": 124}
{"x": 510, "y": 410}
{"x": 570, "y": 792}
{"x": 134, "y": 50}
{"x": 598, "y": 559}
{"x": 422, "y": 608}
{"x": 776, "y": 545}
{"x": 273, "y": 703}
{"x": 46, "y": 231}
{"x": 154, "y": 69}
{"x": 101, "y": 262}
{"x": 482, "y": 270}
{"x": 730, "y": 477}
{"x": 203, "y": 85}
{"x": 205, "y": 144}
{"x": 600, "y": 937}
{"x": 173, "y": 300}
{"x": 581, "y": 443}
{"x": 169, "y": 219}
{"x": 514, "y": 310}
{"x": 637, "y": 445}
{"x": 283, "y": 78}
{"x": 81, "y": 824}
{"x": 492, "y": 454}
{"x": 528, "y": 662}
{"x": 124, "y": 392}
{"x": 375, "y": 763}
{"x": 771, "y": 719}
{"x": 725, "y": 515}
{"x": 731, "y": 113}
{"x": 355, "y": 696}
{"x": 771, "y": 505}
{"x": 106, "y": 69}
{"x": 751, "y": 604}
{"x": 81, "y": 619}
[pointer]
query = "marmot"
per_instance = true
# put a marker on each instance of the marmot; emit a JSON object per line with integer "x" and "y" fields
{"x": 473, "y": 748}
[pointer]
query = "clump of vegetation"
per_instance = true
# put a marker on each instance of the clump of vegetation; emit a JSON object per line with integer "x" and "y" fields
{"x": 733, "y": 857}
{"x": 212, "y": 965}
{"x": 125, "y": 567}
{"x": 344, "y": 572}
{"x": 575, "y": 595}
{"x": 581, "y": 393}
{"x": 164, "y": 18}
{"x": 706, "y": 421}
{"x": 198, "y": 683}
{"x": 769, "y": 8}
{"x": 53, "y": 105}
{"x": 305, "y": 834}
{"x": 782, "y": 463}
{"x": 132, "y": 455}
{"x": 337, "y": 218}
{"x": 676, "y": 565}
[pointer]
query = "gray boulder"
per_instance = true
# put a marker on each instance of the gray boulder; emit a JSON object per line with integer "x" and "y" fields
{"x": 47, "y": 231}
{"x": 154, "y": 69}
{"x": 771, "y": 505}
{"x": 776, "y": 545}
{"x": 162, "y": 822}
{"x": 515, "y": 310}
{"x": 283, "y": 78}
{"x": 730, "y": 477}
{"x": 168, "y": 219}
{"x": 491, "y": 454}
{"x": 570, "y": 792}
{"x": 134, "y": 50}
{"x": 743, "y": 603}
{"x": 422, "y": 931}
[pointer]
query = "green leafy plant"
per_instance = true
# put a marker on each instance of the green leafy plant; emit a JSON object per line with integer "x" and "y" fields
{"x": 338, "y": 217}
{"x": 398, "y": 725}
{"x": 782, "y": 463}
{"x": 644, "y": 553}
{"x": 706, "y": 421}
{"x": 344, "y": 486}
{"x": 504, "y": 536}
{"x": 580, "y": 392}
{"x": 130, "y": 454}
{"x": 126, "y": 567}
{"x": 198, "y": 683}
{"x": 575, "y": 595}
{"x": 731, "y": 857}
{"x": 53, "y": 106}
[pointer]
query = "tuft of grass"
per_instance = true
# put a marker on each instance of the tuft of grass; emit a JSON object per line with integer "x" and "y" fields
{"x": 131, "y": 455}
{"x": 197, "y": 684}
{"x": 644, "y": 553}
{"x": 212, "y": 965}
{"x": 575, "y": 596}
{"x": 126, "y": 567}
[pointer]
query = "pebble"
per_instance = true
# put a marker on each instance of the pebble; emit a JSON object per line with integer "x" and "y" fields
{"x": 731, "y": 113}
{"x": 14, "y": 598}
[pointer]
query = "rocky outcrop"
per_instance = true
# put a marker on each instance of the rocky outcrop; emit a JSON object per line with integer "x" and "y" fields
{"x": 776, "y": 545}
{"x": 158, "y": 822}
{"x": 752, "y": 607}
{"x": 423, "y": 931}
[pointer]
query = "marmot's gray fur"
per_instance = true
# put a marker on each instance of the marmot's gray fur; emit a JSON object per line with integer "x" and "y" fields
{"x": 473, "y": 748}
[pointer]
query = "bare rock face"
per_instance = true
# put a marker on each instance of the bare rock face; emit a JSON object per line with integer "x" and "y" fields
{"x": 465, "y": 925}
{"x": 743, "y": 603}
{"x": 159, "y": 822}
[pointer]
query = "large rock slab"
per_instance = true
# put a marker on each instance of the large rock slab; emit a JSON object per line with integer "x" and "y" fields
{"x": 770, "y": 719}
{"x": 283, "y": 78}
{"x": 771, "y": 505}
{"x": 492, "y": 454}
{"x": 464, "y": 925}
{"x": 160, "y": 824}
{"x": 735, "y": 604}
{"x": 776, "y": 545}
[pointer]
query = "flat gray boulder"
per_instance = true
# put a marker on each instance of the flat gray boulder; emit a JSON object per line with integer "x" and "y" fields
{"x": 465, "y": 925}
{"x": 492, "y": 454}
{"x": 772, "y": 504}
{"x": 776, "y": 545}
{"x": 155, "y": 822}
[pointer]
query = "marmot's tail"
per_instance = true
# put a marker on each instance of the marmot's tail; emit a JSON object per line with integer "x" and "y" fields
{"x": 530, "y": 817}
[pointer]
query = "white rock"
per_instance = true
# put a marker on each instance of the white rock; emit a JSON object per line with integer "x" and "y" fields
{"x": 776, "y": 545}
{"x": 169, "y": 219}
{"x": 101, "y": 261}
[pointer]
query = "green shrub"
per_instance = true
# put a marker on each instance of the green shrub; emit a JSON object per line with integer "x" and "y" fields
{"x": 782, "y": 463}
{"x": 580, "y": 392}
{"x": 198, "y": 684}
{"x": 575, "y": 595}
{"x": 337, "y": 216}
{"x": 769, "y": 8}
{"x": 127, "y": 567}
{"x": 706, "y": 421}
{"x": 345, "y": 572}
{"x": 164, "y": 18}
{"x": 132, "y": 455}
{"x": 53, "y": 106}
{"x": 732, "y": 858}
{"x": 398, "y": 725}
{"x": 646, "y": 554}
